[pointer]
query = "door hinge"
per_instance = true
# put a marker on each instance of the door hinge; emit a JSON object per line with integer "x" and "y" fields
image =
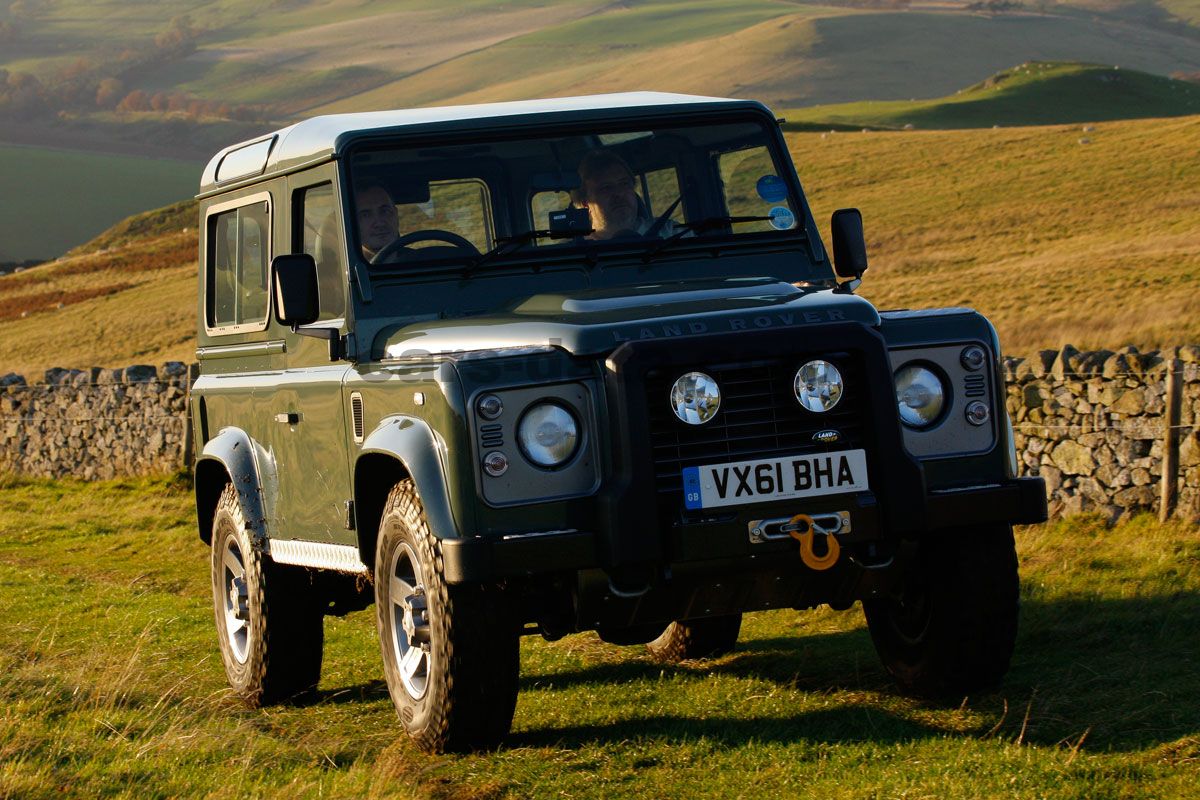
{"x": 349, "y": 515}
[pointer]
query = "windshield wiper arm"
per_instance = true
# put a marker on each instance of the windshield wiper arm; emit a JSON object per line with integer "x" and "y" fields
{"x": 684, "y": 228}
{"x": 507, "y": 244}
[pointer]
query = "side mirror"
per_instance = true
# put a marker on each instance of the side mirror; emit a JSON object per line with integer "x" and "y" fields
{"x": 297, "y": 300}
{"x": 849, "y": 245}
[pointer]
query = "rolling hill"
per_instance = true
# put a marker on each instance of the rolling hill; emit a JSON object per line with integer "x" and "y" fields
{"x": 1034, "y": 93}
{"x": 1056, "y": 239}
{"x": 177, "y": 79}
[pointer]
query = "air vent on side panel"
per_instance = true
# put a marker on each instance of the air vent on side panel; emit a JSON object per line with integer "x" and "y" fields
{"x": 356, "y": 412}
{"x": 976, "y": 386}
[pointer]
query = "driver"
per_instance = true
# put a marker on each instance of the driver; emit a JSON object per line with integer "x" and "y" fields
{"x": 606, "y": 190}
{"x": 378, "y": 222}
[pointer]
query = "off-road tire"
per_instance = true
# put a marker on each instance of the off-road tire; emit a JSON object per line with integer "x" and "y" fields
{"x": 472, "y": 662}
{"x": 952, "y": 625}
{"x": 707, "y": 637}
{"x": 276, "y": 652}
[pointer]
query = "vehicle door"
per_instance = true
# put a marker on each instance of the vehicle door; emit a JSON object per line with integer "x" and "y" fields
{"x": 309, "y": 427}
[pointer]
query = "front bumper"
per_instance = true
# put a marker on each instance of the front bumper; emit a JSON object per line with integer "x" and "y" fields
{"x": 483, "y": 559}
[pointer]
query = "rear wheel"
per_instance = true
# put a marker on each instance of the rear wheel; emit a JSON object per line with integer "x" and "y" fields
{"x": 269, "y": 627}
{"x": 706, "y": 637}
{"x": 450, "y": 653}
{"x": 952, "y": 625}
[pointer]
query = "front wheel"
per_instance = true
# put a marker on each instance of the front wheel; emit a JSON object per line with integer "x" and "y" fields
{"x": 270, "y": 630}
{"x": 706, "y": 637}
{"x": 450, "y": 653}
{"x": 952, "y": 624}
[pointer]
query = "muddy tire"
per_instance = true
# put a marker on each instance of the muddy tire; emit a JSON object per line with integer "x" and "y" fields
{"x": 952, "y": 625}
{"x": 450, "y": 653}
{"x": 697, "y": 638}
{"x": 269, "y": 627}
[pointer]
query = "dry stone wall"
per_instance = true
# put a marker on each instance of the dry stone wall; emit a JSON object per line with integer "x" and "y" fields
{"x": 1092, "y": 424}
{"x": 95, "y": 423}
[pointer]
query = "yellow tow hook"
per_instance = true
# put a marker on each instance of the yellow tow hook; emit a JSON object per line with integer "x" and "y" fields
{"x": 803, "y": 529}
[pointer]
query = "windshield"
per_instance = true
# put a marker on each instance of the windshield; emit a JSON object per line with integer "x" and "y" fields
{"x": 570, "y": 194}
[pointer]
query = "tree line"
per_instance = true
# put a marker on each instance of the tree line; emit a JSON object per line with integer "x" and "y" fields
{"x": 85, "y": 85}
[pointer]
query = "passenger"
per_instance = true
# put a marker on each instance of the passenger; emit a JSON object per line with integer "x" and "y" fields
{"x": 378, "y": 222}
{"x": 606, "y": 190}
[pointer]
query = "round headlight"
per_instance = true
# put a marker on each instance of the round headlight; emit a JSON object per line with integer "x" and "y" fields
{"x": 548, "y": 435}
{"x": 920, "y": 396}
{"x": 695, "y": 398}
{"x": 818, "y": 386}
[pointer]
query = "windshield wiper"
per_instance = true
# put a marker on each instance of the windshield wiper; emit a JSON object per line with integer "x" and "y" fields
{"x": 508, "y": 244}
{"x": 708, "y": 223}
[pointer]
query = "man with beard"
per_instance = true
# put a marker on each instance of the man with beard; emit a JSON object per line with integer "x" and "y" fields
{"x": 607, "y": 191}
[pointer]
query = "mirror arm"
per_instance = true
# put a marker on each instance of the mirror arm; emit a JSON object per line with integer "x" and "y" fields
{"x": 336, "y": 351}
{"x": 848, "y": 287}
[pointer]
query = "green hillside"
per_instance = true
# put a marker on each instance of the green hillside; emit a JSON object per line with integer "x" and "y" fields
{"x": 55, "y": 200}
{"x": 1055, "y": 240}
{"x": 1031, "y": 94}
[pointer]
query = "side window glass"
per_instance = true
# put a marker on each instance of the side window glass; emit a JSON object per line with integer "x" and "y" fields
{"x": 752, "y": 187}
{"x": 222, "y": 255}
{"x": 661, "y": 188}
{"x": 239, "y": 244}
{"x": 318, "y": 235}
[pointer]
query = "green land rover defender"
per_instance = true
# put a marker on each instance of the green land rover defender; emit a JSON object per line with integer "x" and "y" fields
{"x": 569, "y": 365}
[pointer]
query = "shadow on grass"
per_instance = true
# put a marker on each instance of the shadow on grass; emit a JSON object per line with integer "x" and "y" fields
{"x": 848, "y": 724}
{"x": 844, "y": 660}
{"x": 1123, "y": 672}
{"x": 369, "y": 692}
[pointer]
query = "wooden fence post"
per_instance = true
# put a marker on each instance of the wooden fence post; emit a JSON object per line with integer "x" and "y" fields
{"x": 1170, "y": 450}
{"x": 187, "y": 456}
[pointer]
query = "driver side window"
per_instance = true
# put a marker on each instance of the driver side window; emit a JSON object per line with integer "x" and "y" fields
{"x": 317, "y": 234}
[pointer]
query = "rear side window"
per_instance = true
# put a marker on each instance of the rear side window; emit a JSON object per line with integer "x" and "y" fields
{"x": 239, "y": 244}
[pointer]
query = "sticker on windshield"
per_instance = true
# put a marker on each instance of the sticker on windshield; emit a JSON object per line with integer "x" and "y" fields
{"x": 771, "y": 188}
{"x": 782, "y": 218}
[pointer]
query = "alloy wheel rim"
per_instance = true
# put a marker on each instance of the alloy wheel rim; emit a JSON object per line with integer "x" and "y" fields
{"x": 235, "y": 594}
{"x": 408, "y": 619}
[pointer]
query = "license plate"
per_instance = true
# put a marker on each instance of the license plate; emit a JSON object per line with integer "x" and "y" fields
{"x": 769, "y": 479}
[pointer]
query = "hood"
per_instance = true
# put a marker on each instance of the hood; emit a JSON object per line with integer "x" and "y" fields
{"x": 596, "y": 321}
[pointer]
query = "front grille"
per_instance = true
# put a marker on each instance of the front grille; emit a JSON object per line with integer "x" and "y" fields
{"x": 759, "y": 418}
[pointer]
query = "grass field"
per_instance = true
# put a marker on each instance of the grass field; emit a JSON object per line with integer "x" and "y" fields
{"x": 1056, "y": 241}
{"x": 56, "y": 199}
{"x": 111, "y": 685}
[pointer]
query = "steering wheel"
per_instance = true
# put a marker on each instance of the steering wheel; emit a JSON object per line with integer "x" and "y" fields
{"x": 429, "y": 235}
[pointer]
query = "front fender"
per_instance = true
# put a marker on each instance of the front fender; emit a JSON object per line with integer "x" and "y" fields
{"x": 231, "y": 456}
{"x": 413, "y": 443}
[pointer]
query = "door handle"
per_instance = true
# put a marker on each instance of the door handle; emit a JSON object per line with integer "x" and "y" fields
{"x": 290, "y": 418}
